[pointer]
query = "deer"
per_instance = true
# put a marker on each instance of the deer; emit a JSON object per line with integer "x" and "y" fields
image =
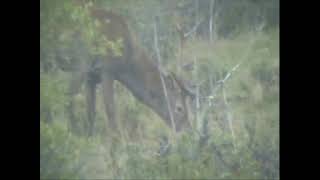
{"x": 136, "y": 70}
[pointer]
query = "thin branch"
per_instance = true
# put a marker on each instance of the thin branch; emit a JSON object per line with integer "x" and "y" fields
{"x": 196, "y": 12}
{"x": 197, "y": 91}
{"x": 197, "y": 85}
{"x": 220, "y": 83}
{"x": 211, "y": 89}
{"x": 161, "y": 77}
{"x": 212, "y": 2}
{"x": 229, "y": 115}
{"x": 193, "y": 29}
{"x": 230, "y": 72}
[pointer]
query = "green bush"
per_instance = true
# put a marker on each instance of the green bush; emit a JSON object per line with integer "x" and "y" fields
{"x": 66, "y": 156}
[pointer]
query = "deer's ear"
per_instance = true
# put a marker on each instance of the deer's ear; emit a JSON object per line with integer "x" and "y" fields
{"x": 185, "y": 86}
{"x": 178, "y": 83}
{"x": 174, "y": 83}
{"x": 170, "y": 81}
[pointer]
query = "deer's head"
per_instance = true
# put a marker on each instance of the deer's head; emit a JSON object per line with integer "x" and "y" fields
{"x": 177, "y": 103}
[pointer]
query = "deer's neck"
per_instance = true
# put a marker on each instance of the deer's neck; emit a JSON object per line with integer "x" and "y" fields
{"x": 142, "y": 78}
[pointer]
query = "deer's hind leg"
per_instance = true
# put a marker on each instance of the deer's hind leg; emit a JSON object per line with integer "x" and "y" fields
{"x": 91, "y": 105}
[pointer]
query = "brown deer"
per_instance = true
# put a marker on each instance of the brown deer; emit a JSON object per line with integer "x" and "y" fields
{"x": 134, "y": 69}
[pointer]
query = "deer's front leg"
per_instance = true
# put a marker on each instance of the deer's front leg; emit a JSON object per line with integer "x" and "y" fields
{"x": 108, "y": 97}
{"x": 91, "y": 105}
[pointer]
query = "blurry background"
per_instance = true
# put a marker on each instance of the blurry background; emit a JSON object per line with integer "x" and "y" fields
{"x": 238, "y": 124}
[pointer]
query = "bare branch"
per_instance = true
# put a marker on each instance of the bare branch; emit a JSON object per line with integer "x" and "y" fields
{"x": 211, "y": 88}
{"x": 212, "y": 2}
{"x": 221, "y": 82}
{"x": 230, "y": 72}
{"x": 161, "y": 77}
{"x": 193, "y": 29}
{"x": 229, "y": 115}
{"x": 197, "y": 91}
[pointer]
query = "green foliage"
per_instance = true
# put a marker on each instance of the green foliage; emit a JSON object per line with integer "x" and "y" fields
{"x": 55, "y": 157}
{"x": 53, "y": 93}
{"x": 65, "y": 156}
{"x": 67, "y": 27}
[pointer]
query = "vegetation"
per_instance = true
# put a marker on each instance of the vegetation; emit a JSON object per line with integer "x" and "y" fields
{"x": 236, "y": 133}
